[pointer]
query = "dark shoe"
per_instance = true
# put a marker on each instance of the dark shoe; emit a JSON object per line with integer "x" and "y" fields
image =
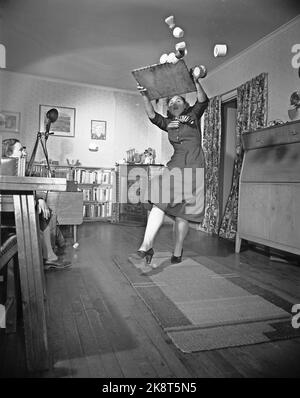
{"x": 56, "y": 265}
{"x": 175, "y": 259}
{"x": 148, "y": 255}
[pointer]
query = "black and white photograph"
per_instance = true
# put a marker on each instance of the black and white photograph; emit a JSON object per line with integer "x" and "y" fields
{"x": 64, "y": 126}
{"x": 98, "y": 130}
{"x": 9, "y": 122}
{"x": 150, "y": 194}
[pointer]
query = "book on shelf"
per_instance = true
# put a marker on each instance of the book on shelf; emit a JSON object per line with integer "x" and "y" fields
{"x": 63, "y": 172}
{"x": 97, "y": 194}
{"x": 99, "y": 210}
{"x": 40, "y": 170}
{"x": 86, "y": 176}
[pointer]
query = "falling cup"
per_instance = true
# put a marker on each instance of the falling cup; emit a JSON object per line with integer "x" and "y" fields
{"x": 163, "y": 59}
{"x": 170, "y": 21}
{"x": 220, "y": 50}
{"x": 178, "y": 33}
{"x": 172, "y": 58}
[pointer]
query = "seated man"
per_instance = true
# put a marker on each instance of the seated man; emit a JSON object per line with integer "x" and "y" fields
{"x": 12, "y": 147}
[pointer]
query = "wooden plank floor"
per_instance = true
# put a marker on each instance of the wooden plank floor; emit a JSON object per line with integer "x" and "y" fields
{"x": 99, "y": 327}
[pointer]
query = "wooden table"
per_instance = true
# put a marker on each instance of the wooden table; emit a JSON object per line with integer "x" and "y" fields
{"x": 31, "y": 262}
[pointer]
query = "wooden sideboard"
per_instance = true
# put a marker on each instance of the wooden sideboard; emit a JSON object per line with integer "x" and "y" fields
{"x": 269, "y": 191}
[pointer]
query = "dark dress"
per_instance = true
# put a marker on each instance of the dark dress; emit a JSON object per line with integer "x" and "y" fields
{"x": 182, "y": 194}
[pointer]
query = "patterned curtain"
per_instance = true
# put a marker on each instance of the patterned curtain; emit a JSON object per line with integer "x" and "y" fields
{"x": 211, "y": 144}
{"x": 252, "y": 109}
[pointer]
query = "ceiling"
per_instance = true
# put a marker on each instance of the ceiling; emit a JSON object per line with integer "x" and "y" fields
{"x": 101, "y": 41}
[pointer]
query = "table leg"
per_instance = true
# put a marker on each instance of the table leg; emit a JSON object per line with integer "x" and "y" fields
{"x": 32, "y": 282}
{"x": 238, "y": 242}
{"x": 11, "y": 308}
{"x": 75, "y": 233}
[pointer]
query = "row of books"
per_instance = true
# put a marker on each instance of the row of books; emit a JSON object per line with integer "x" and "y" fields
{"x": 79, "y": 175}
{"x": 83, "y": 176}
{"x": 63, "y": 173}
{"x": 98, "y": 194}
{"x": 97, "y": 210}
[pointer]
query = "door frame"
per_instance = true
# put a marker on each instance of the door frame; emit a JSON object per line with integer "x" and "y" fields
{"x": 229, "y": 96}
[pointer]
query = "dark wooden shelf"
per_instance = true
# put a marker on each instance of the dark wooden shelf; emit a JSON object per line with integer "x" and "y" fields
{"x": 90, "y": 219}
{"x": 80, "y": 185}
{"x": 95, "y": 201}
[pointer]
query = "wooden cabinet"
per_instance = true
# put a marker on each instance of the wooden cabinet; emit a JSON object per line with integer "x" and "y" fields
{"x": 269, "y": 197}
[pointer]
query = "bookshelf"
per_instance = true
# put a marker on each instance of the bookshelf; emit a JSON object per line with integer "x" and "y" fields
{"x": 95, "y": 183}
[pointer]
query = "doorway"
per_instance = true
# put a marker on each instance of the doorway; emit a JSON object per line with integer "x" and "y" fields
{"x": 228, "y": 145}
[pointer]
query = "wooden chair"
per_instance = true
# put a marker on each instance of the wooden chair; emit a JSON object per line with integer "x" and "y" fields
{"x": 68, "y": 208}
{"x": 8, "y": 258}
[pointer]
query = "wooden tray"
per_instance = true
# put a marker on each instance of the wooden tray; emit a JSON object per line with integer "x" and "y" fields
{"x": 165, "y": 80}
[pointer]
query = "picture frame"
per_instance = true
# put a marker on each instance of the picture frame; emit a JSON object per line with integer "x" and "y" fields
{"x": 65, "y": 123}
{"x": 10, "y": 121}
{"x": 98, "y": 129}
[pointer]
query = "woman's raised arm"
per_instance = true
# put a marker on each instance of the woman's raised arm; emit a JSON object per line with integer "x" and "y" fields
{"x": 147, "y": 103}
{"x": 201, "y": 94}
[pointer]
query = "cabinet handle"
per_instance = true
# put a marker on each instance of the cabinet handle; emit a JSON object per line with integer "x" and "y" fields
{"x": 293, "y": 132}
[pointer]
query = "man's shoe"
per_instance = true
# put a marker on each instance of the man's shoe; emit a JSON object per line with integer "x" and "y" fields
{"x": 56, "y": 265}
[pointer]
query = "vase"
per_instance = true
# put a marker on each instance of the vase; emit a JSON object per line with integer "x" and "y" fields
{"x": 294, "y": 113}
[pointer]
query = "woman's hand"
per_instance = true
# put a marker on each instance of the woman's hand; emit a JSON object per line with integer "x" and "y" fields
{"x": 43, "y": 208}
{"x": 142, "y": 90}
{"x": 174, "y": 124}
{"x": 148, "y": 106}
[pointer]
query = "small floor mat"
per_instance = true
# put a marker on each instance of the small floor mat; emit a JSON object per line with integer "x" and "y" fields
{"x": 204, "y": 339}
{"x": 201, "y": 309}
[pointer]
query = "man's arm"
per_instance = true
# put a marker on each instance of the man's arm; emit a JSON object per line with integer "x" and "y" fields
{"x": 42, "y": 206}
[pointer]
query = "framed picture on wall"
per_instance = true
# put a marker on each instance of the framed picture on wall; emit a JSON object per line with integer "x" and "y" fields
{"x": 10, "y": 121}
{"x": 65, "y": 123}
{"x": 98, "y": 130}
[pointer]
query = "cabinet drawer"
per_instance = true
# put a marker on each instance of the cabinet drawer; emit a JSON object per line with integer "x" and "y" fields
{"x": 280, "y": 163}
{"x": 283, "y": 134}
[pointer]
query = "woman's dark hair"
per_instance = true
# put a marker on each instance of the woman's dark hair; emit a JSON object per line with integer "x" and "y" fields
{"x": 186, "y": 104}
{"x": 7, "y": 146}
